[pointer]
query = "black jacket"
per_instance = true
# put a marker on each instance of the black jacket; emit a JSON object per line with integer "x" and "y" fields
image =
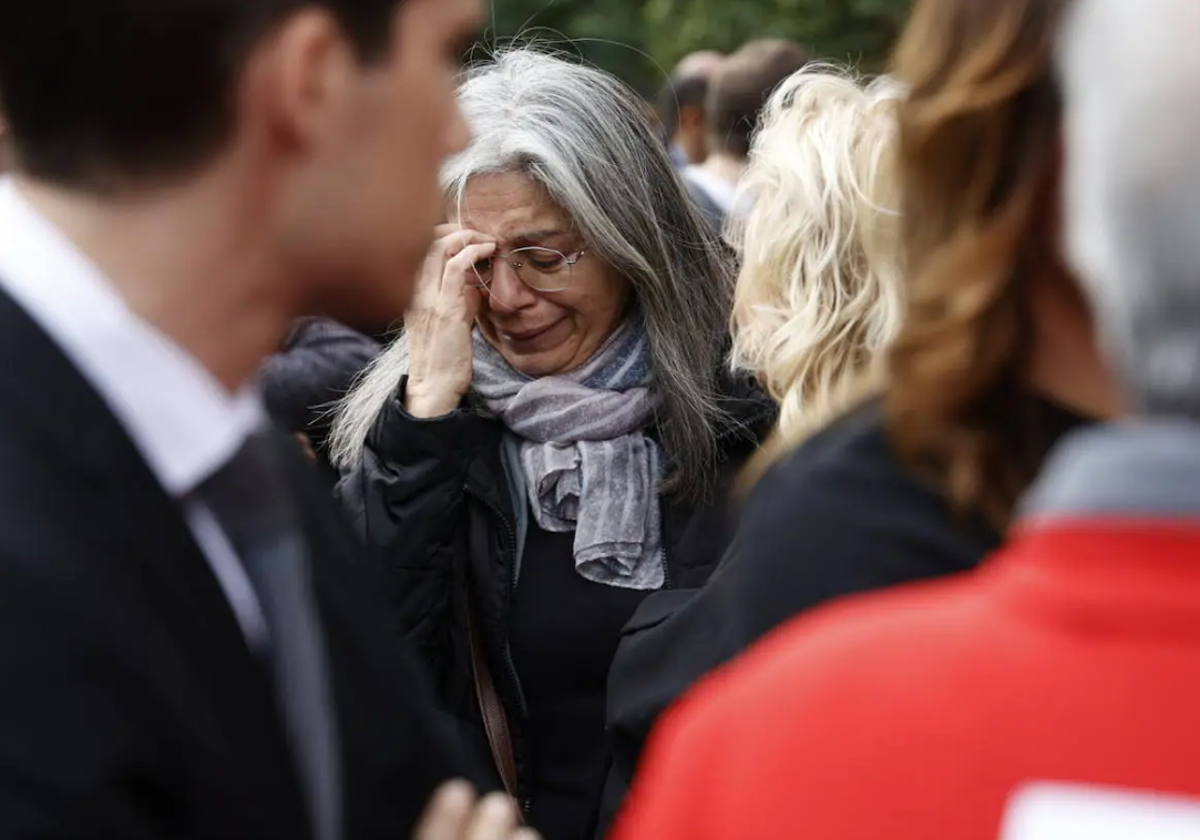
{"x": 131, "y": 705}
{"x": 841, "y": 515}
{"x": 424, "y": 484}
{"x": 301, "y": 383}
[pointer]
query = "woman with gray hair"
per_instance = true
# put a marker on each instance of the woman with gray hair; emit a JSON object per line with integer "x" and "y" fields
{"x": 552, "y": 438}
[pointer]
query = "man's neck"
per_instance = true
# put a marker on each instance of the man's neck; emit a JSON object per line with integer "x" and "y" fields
{"x": 185, "y": 262}
{"x": 1065, "y": 364}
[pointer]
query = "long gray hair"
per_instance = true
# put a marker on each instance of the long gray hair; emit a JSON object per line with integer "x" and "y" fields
{"x": 581, "y": 134}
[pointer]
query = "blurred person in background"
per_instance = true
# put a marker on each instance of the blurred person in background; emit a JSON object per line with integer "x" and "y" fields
{"x": 302, "y": 383}
{"x": 994, "y": 361}
{"x": 682, "y": 107}
{"x": 553, "y": 437}
{"x": 737, "y": 93}
{"x": 818, "y": 300}
{"x": 1049, "y": 693}
{"x": 191, "y": 647}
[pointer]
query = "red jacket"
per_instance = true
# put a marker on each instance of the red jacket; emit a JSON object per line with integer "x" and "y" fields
{"x": 1073, "y": 655}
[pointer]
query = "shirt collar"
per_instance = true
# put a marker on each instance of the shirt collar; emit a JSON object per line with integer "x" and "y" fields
{"x": 183, "y": 421}
{"x": 1148, "y": 467}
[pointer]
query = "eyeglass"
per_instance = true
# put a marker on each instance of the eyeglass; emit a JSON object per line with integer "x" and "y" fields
{"x": 541, "y": 269}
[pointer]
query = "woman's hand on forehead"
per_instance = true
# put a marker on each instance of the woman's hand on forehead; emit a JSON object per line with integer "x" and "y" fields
{"x": 555, "y": 238}
{"x": 448, "y": 228}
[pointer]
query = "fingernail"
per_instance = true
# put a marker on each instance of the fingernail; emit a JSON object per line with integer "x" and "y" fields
{"x": 456, "y": 789}
{"x": 497, "y": 806}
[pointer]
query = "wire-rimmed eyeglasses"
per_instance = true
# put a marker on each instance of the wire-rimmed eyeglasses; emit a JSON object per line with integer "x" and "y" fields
{"x": 541, "y": 269}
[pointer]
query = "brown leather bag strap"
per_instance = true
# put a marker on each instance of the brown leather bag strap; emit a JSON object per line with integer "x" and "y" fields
{"x": 491, "y": 707}
{"x": 495, "y": 721}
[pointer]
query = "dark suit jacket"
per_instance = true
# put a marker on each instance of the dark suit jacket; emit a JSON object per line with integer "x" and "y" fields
{"x": 130, "y": 704}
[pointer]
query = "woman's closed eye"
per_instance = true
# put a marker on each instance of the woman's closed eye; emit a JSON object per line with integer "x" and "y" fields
{"x": 544, "y": 260}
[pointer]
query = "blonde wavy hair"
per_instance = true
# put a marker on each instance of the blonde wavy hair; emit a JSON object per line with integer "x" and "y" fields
{"x": 819, "y": 294}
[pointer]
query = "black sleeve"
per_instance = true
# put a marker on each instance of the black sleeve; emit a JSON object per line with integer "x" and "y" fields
{"x": 300, "y": 384}
{"x": 72, "y": 752}
{"x": 836, "y": 519}
{"x": 406, "y": 501}
{"x": 398, "y": 743}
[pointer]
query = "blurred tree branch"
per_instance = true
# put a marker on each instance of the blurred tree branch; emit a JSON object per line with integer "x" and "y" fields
{"x": 637, "y": 39}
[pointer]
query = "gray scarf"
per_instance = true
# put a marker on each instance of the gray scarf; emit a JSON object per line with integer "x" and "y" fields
{"x": 588, "y": 465}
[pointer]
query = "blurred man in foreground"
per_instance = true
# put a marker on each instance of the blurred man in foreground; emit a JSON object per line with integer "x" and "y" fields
{"x": 1051, "y": 693}
{"x": 190, "y": 647}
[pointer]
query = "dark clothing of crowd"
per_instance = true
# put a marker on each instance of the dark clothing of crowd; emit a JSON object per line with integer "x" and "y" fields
{"x": 840, "y": 516}
{"x": 302, "y": 383}
{"x": 433, "y": 498}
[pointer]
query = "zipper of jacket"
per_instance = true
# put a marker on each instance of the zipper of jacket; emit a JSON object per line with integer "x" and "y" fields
{"x": 665, "y": 519}
{"x": 514, "y": 680}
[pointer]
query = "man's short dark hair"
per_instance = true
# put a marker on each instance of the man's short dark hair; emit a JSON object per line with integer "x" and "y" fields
{"x": 100, "y": 92}
{"x": 742, "y": 86}
{"x": 688, "y": 91}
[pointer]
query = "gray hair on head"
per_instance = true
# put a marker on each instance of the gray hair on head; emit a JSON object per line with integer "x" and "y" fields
{"x": 581, "y": 134}
{"x": 1130, "y": 80}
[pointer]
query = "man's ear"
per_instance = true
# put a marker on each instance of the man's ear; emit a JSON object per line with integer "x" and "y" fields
{"x": 299, "y": 77}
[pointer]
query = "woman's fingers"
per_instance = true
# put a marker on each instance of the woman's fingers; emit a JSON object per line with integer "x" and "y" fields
{"x": 453, "y": 244}
{"x": 445, "y": 229}
{"x": 458, "y": 238}
{"x": 450, "y": 241}
{"x": 448, "y": 814}
{"x": 494, "y": 819}
{"x": 460, "y": 267}
{"x": 440, "y": 362}
{"x": 454, "y": 814}
{"x": 473, "y": 297}
{"x": 429, "y": 283}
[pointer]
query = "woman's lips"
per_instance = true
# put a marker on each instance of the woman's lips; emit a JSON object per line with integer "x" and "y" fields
{"x": 528, "y": 339}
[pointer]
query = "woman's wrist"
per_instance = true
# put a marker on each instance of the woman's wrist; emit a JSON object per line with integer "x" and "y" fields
{"x": 426, "y": 403}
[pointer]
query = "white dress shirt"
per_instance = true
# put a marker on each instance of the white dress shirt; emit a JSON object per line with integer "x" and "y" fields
{"x": 723, "y": 193}
{"x": 183, "y": 421}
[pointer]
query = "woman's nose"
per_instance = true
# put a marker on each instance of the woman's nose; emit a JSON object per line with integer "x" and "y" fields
{"x": 507, "y": 289}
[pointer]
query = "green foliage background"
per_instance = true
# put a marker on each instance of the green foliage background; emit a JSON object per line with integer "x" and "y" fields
{"x": 640, "y": 39}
